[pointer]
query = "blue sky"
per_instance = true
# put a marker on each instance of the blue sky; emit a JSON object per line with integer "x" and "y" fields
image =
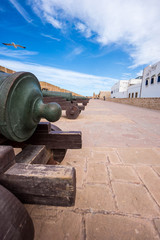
{"x": 81, "y": 45}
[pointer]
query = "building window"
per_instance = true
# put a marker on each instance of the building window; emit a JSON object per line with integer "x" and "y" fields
{"x": 136, "y": 94}
{"x": 132, "y": 95}
{"x": 152, "y": 80}
{"x": 146, "y": 82}
{"x": 111, "y": 92}
{"x": 129, "y": 95}
{"x": 158, "y": 79}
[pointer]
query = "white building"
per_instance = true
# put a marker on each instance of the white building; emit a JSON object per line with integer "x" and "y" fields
{"x": 134, "y": 91}
{"x": 119, "y": 89}
{"x": 127, "y": 88}
{"x": 151, "y": 81}
{"x": 147, "y": 86}
{"x": 134, "y": 87}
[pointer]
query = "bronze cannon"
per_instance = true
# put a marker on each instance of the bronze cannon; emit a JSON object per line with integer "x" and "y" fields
{"x": 30, "y": 174}
{"x": 21, "y": 106}
{"x": 67, "y": 102}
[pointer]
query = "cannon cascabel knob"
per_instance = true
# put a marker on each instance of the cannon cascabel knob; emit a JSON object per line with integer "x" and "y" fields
{"x": 51, "y": 111}
{"x": 21, "y": 106}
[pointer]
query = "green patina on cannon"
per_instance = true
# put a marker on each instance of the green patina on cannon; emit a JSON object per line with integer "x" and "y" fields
{"x": 66, "y": 95}
{"x": 21, "y": 106}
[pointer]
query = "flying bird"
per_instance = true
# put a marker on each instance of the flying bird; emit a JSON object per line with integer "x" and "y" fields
{"x": 13, "y": 44}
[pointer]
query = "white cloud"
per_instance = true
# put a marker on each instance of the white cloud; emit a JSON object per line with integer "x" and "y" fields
{"x": 126, "y": 74}
{"x": 51, "y": 37}
{"x": 131, "y": 23}
{"x": 76, "y": 51}
{"x": 140, "y": 73}
{"x": 54, "y": 22}
{"x": 15, "y": 53}
{"x": 81, "y": 83}
{"x": 83, "y": 29}
{"x": 21, "y": 10}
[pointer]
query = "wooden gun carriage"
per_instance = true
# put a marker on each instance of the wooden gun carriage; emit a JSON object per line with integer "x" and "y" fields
{"x": 33, "y": 175}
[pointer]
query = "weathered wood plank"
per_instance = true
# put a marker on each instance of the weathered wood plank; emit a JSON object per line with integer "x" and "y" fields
{"x": 52, "y": 140}
{"x": 7, "y": 158}
{"x": 41, "y": 184}
{"x": 34, "y": 155}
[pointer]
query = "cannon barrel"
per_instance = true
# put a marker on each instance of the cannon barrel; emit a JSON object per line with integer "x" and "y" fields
{"x": 66, "y": 95}
{"x": 79, "y": 98}
{"x": 21, "y": 106}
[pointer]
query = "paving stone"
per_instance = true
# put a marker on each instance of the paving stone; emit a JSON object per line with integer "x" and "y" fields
{"x": 151, "y": 180}
{"x": 17, "y": 150}
{"x": 139, "y": 156}
{"x": 112, "y": 227}
{"x": 97, "y": 157}
{"x": 157, "y": 224}
{"x": 80, "y": 153}
{"x": 45, "y": 212}
{"x": 102, "y": 149}
{"x": 66, "y": 226}
{"x": 97, "y": 173}
{"x": 157, "y": 150}
{"x": 29, "y": 207}
{"x": 107, "y": 118}
{"x": 112, "y": 134}
{"x": 37, "y": 228}
{"x": 126, "y": 173}
{"x": 80, "y": 176}
{"x": 113, "y": 157}
{"x": 135, "y": 199}
{"x": 76, "y": 161}
{"x": 96, "y": 197}
{"x": 157, "y": 169}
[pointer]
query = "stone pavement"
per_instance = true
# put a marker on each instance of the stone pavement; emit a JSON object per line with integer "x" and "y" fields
{"x": 118, "y": 177}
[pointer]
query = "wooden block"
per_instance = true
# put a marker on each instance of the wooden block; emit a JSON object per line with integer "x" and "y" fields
{"x": 57, "y": 140}
{"x": 52, "y": 140}
{"x": 44, "y": 127}
{"x": 41, "y": 184}
{"x": 34, "y": 155}
{"x": 7, "y": 158}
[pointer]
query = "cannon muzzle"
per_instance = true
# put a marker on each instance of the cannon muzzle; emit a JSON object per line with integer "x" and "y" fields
{"x": 21, "y": 106}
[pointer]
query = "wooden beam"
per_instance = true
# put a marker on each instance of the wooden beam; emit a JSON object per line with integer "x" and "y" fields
{"x": 41, "y": 184}
{"x": 34, "y": 155}
{"x": 51, "y": 139}
{"x": 7, "y": 158}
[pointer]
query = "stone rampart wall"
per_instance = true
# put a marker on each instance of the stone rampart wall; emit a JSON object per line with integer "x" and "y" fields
{"x": 51, "y": 87}
{"x": 152, "y": 103}
{"x": 6, "y": 70}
